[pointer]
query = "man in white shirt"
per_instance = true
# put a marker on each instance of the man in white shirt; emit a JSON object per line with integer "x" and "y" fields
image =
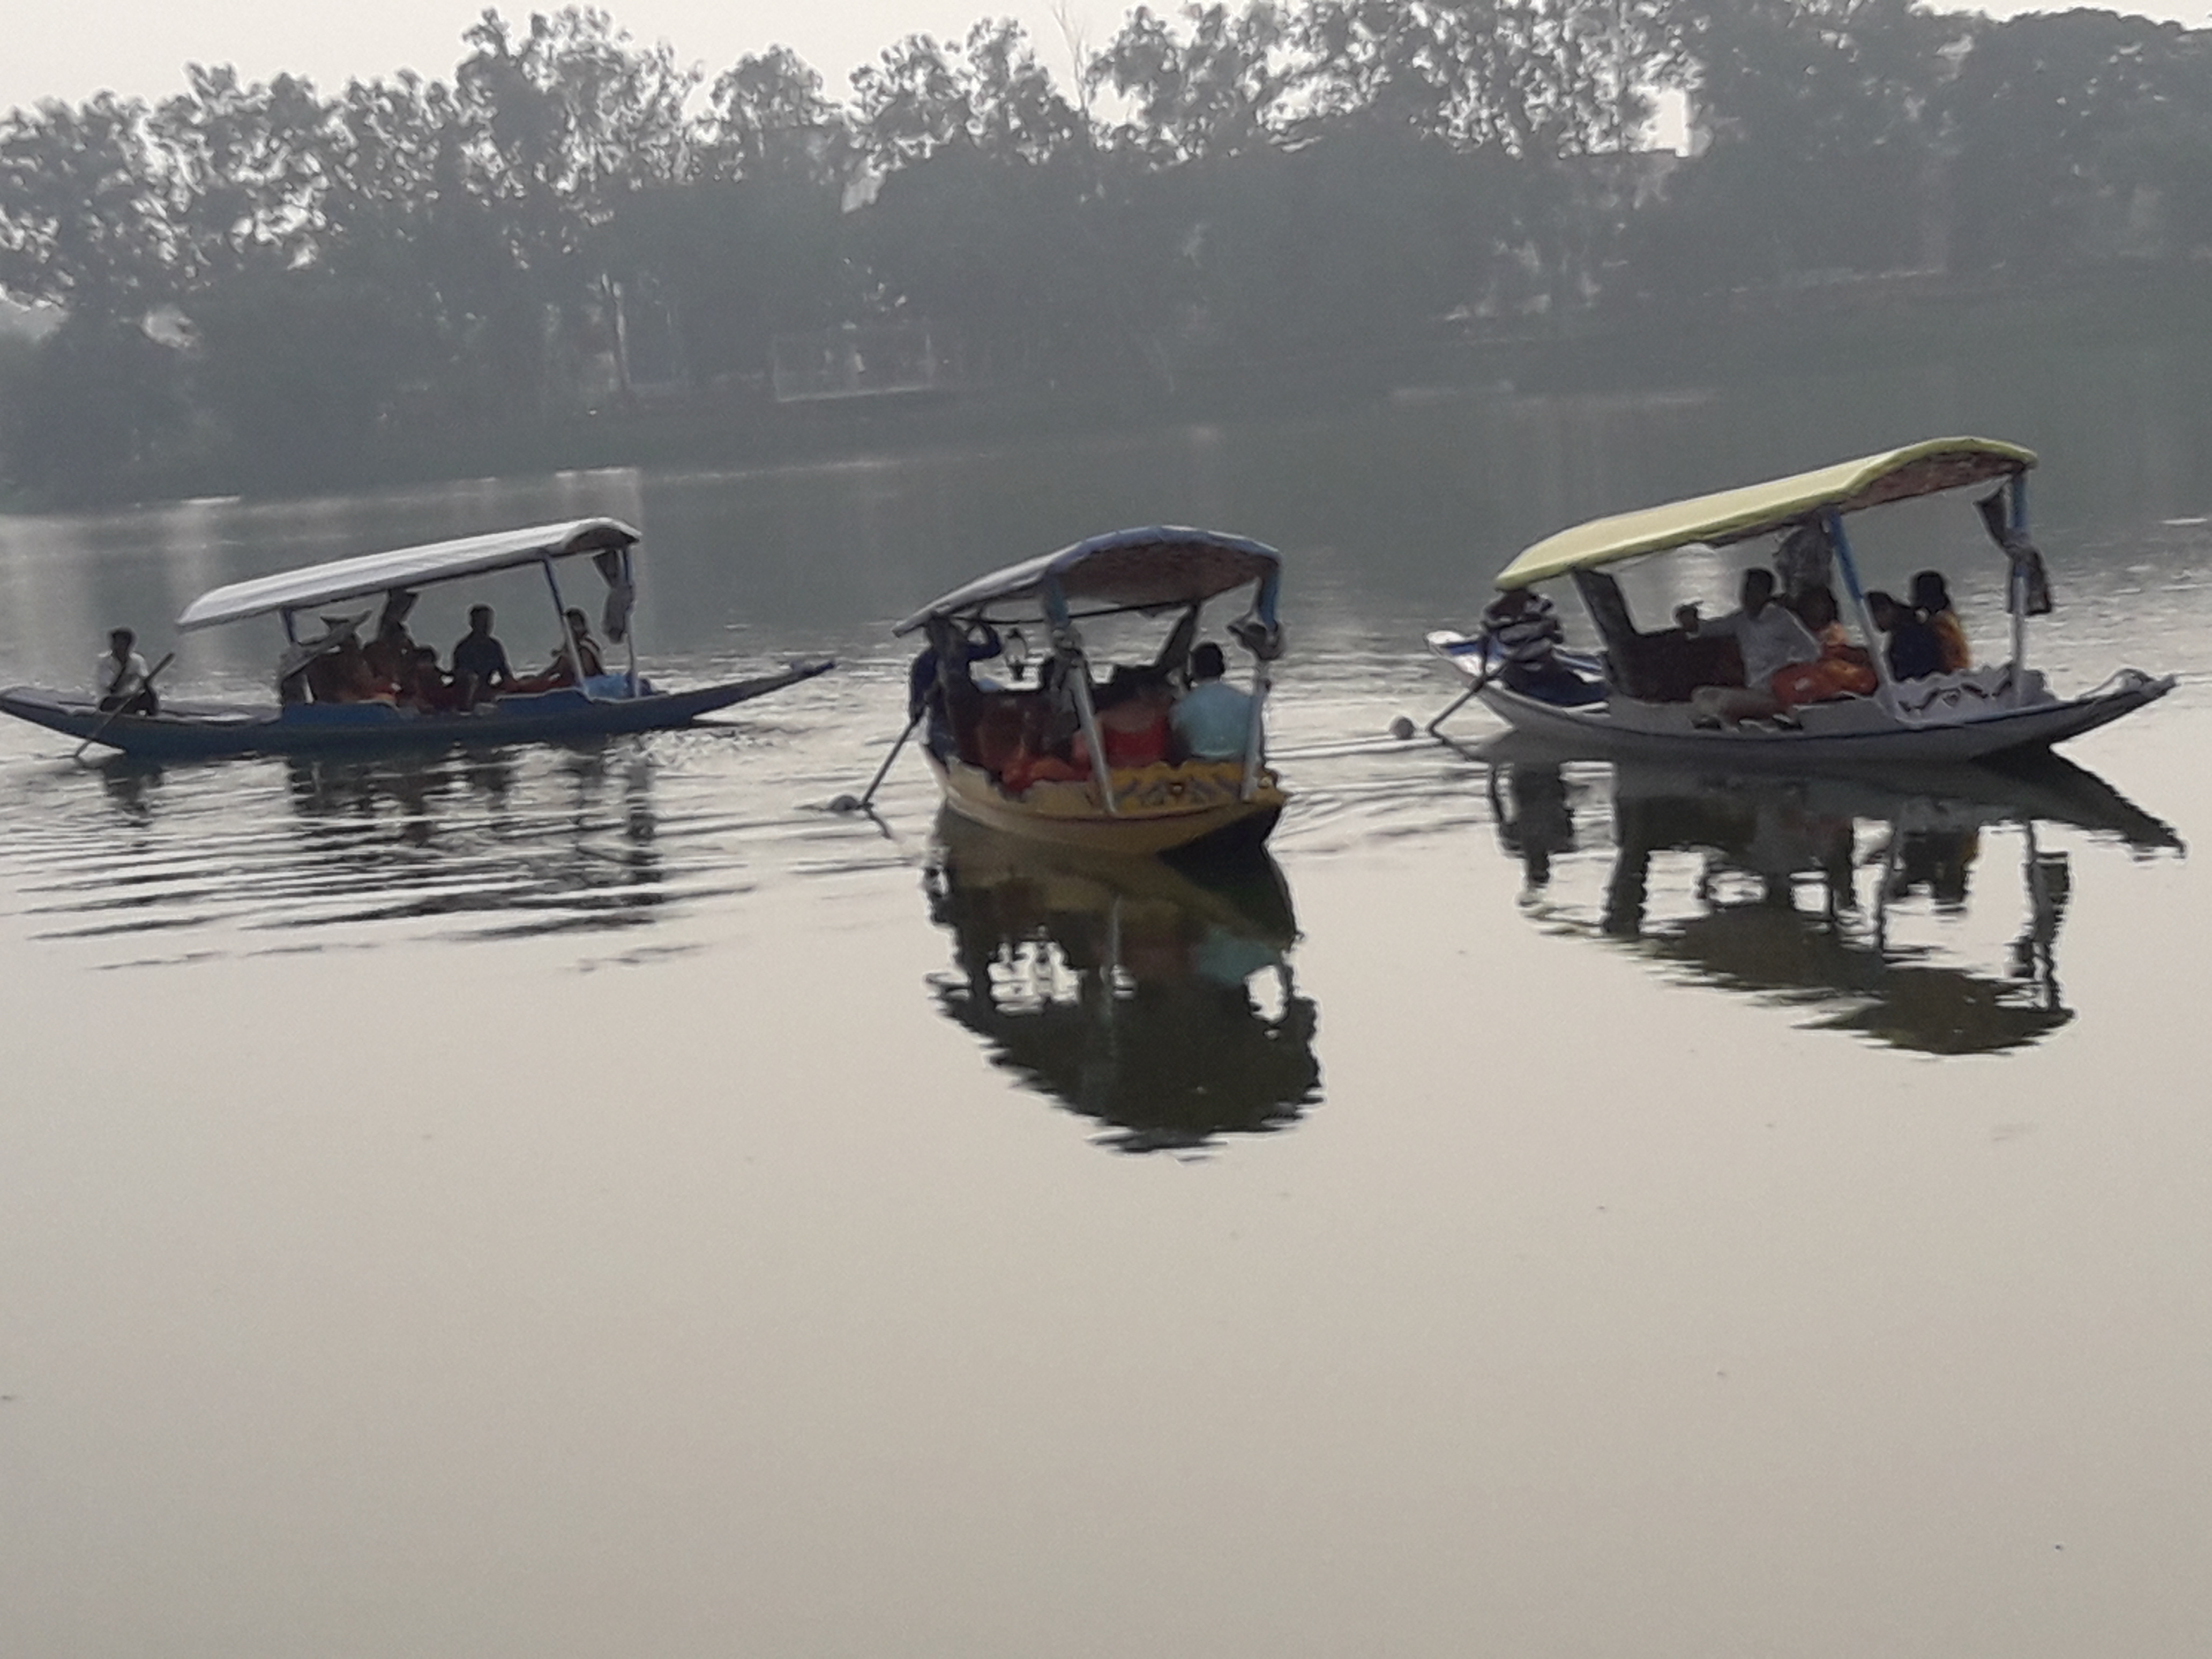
{"x": 1771, "y": 639}
{"x": 119, "y": 678}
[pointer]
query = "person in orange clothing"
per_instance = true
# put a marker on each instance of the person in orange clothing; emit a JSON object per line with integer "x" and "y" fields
{"x": 1932, "y": 599}
{"x": 1841, "y": 669}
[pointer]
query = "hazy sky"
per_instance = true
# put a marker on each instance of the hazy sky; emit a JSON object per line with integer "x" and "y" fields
{"x": 71, "y": 50}
{"x": 140, "y": 46}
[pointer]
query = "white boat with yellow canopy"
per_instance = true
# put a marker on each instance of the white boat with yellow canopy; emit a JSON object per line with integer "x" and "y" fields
{"x": 1637, "y": 695}
{"x": 1018, "y": 759}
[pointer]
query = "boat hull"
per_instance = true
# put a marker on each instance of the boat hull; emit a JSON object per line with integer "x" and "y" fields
{"x": 1855, "y": 732}
{"x": 204, "y": 732}
{"x": 1194, "y": 809}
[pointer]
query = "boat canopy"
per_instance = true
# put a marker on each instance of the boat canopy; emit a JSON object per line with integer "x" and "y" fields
{"x": 1145, "y": 569}
{"x": 1736, "y": 515}
{"x": 405, "y": 567}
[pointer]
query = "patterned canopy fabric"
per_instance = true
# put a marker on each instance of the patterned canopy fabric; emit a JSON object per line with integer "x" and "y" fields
{"x": 1762, "y": 509}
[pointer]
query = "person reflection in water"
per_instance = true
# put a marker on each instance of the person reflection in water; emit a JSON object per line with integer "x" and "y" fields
{"x": 1940, "y": 861}
{"x": 480, "y": 667}
{"x": 1542, "y": 822}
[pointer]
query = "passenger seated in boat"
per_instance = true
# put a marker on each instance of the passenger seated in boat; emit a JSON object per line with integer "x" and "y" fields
{"x": 561, "y": 671}
{"x": 391, "y": 653}
{"x": 996, "y": 738}
{"x": 119, "y": 678}
{"x": 1844, "y": 670}
{"x": 341, "y": 674}
{"x": 926, "y": 682}
{"x": 480, "y": 669}
{"x": 422, "y": 687}
{"x": 1913, "y": 650}
{"x": 1771, "y": 641}
{"x": 1213, "y": 720}
{"x": 1044, "y": 752}
{"x": 1931, "y": 598}
{"x": 1133, "y": 709}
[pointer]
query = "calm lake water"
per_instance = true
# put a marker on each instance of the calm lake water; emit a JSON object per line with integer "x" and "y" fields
{"x": 597, "y": 1202}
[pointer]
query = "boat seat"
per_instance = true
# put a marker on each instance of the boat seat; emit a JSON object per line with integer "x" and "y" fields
{"x": 1660, "y": 667}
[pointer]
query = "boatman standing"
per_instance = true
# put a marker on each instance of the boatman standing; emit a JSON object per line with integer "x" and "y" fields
{"x": 119, "y": 678}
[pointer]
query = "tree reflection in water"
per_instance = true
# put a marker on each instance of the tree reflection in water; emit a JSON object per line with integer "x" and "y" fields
{"x": 1798, "y": 883}
{"x": 1158, "y": 1000}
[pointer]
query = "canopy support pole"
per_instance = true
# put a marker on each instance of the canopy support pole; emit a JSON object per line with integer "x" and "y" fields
{"x": 1850, "y": 566}
{"x": 567, "y": 633}
{"x": 1254, "y": 731}
{"x": 629, "y": 623}
{"x": 2016, "y": 578}
{"x": 1076, "y": 669}
{"x": 291, "y": 629}
{"x": 1266, "y": 638}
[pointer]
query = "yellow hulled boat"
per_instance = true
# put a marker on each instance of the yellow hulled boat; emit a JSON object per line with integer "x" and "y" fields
{"x": 1131, "y": 764}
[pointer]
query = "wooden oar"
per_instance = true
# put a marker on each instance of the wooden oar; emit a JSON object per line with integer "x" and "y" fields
{"x": 109, "y": 718}
{"x": 847, "y": 803}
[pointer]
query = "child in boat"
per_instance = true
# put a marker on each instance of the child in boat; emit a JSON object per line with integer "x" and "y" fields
{"x": 1932, "y": 599}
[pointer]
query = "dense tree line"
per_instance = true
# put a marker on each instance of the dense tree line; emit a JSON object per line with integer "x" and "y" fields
{"x": 262, "y": 271}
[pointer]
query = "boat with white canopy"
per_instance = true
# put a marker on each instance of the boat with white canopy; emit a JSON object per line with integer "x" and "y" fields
{"x": 1018, "y": 758}
{"x": 588, "y": 705}
{"x": 1651, "y": 692}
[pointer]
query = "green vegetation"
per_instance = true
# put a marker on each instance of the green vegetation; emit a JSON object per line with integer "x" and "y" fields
{"x": 581, "y": 250}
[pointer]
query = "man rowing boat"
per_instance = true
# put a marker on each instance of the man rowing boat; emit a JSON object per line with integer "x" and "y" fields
{"x": 120, "y": 678}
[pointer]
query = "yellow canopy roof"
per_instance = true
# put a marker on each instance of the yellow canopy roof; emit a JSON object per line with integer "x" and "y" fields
{"x": 1736, "y": 515}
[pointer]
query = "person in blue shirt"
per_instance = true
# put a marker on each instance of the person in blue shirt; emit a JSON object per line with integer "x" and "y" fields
{"x": 480, "y": 665}
{"x": 1212, "y": 719}
{"x": 960, "y": 651}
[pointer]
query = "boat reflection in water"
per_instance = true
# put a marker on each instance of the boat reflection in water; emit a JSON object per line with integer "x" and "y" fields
{"x": 1847, "y": 894}
{"x": 479, "y": 843}
{"x": 1158, "y": 1000}
{"x": 559, "y": 839}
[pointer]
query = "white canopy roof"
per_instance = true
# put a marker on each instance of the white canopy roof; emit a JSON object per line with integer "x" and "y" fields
{"x": 405, "y": 567}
